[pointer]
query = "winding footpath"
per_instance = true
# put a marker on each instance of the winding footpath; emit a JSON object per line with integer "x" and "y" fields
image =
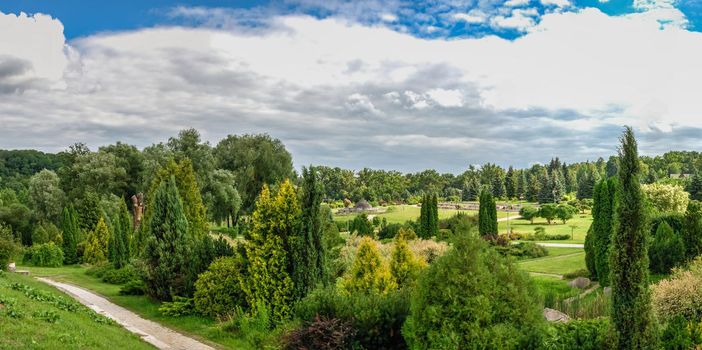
{"x": 151, "y": 332}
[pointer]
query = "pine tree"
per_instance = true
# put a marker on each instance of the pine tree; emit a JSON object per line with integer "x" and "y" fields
{"x": 168, "y": 245}
{"x": 404, "y": 266}
{"x": 71, "y": 232}
{"x": 122, "y": 231}
{"x": 275, "y": 222}
{"x": 435, "y": 216}
{"x": 590, "y": 253}
{"x": 632, "y": 316}
{"x": 310, "y": 254}
{"x": 189, "y": 193}
{"x": 521, "y": 185}
{"x": 424, "y": 213}
{"x": 368, "y": 274}
{"x": 511, "y": 183}
{"x": 96, "y": 243}
{"x": 487, "y": 214}
{"x": 695, "y": 187}
{"x": 692, "y": 229}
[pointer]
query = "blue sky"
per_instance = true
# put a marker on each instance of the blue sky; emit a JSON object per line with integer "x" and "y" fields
{"x": 395, "y": 84}
{"x": 82, "y": 18}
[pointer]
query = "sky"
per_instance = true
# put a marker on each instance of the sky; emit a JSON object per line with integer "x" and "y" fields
{"x": 403, "y": 85}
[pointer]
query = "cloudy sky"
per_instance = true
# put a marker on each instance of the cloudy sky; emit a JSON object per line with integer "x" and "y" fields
{"x": 394, "y": 84}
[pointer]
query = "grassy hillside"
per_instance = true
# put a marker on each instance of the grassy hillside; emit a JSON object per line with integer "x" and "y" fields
{"x": 36, "y": 316}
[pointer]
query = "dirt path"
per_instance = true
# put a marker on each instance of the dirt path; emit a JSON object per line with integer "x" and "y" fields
{"x": 152, "y": 332}
{"x": 515, "y": 217}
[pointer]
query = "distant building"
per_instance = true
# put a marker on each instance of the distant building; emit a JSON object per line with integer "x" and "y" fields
{"x": 680, "y": 176}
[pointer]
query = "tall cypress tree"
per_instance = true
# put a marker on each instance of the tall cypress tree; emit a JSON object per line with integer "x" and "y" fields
{"x": 602, "y": 213}
{"x": 424, "y": 217}
{"x": 487, "y": 214}
{"x": 71, "y": 233}
{"x": 121, "y": 227}
{"x": 168, "y": 249}
{"x": 632, "y": 316}
{"x": 435, "y": 216}
{"x": 310, "y": 255}
{"x": 692, "y": 229}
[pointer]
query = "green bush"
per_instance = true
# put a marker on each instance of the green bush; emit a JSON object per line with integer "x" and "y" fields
{"x": 180, "y": 306}
{"x": 218, "y": 290}
{"x": 389, "y": 231}
{"x": 575, "y": 274}
{"x": 120, "y": 276}
{"x": 133, "y": 287}
{"x": 45, "y": 255}
{"x": 667, "y": 249}
{"x": 579, "y": 335}
{"x": 680, "y": 334}
{"x": 523, "y": 250}
{"x": 8, "y": 247}
{"x": 376, "y": 319}
{"x": 254, "y": 327}
{"x": 472, "y": 295}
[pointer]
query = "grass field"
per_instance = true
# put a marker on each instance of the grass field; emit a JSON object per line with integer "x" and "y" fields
{"x": 402, "y": 213}
{"x": 581, "y": 222}
{"x": 557, "y": 262}
{"x": 202, "y": 328}
{"x": 40, "y": 318}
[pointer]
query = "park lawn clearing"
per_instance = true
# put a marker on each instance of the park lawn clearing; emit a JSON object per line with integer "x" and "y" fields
{"x": 399, "y": 214}
{"x": 198, "y": 327}
{"x": 34, "y": 315}
{"x": 558, "y": 265}
{"x": 581, "y": 223}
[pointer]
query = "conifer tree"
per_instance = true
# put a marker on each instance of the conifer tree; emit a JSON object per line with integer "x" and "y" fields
{"x": 487, "y": 214}
{"x": 590, "y": 253}
{"x": 368, "y": 274}
{"x": 632, "y": 316}
{"x": 692, "y": 229}
{"x": 121, "y": 239}
{"x": 424, "y": 213}
{"x": 310, "y": 254}
{"x": 274, "y": 224}
{"x": 70, "y": 229}
{"x": 168, "y": 245}
{"x": 96, "y": 243}
{"x": 188, "y": 192}
{"x": 404, "y": 266}
{"x": 602, "y": 213}
{"x": 695, "y": 187}
{"x": 435, "y": 216}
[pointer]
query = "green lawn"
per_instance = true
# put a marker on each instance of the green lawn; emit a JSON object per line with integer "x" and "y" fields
{"x": 558, "y": 264}
{"x": 48, "y": 322}
{"x": 202, "y": 328}
{"x": 554, "y": 285}
{"x": 581, "y": 222}
{"x": 402, "y": 213}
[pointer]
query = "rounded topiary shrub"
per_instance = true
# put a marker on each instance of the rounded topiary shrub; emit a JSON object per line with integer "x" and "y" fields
{"x": 472, "y": 295}
{"x": 218, "y": 290}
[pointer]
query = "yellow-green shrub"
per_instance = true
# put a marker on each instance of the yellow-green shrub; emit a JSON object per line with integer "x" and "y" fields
{"x": 681, "y": 293}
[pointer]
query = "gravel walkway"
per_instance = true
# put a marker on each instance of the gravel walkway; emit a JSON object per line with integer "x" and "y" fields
{"x": 152, "y": 332}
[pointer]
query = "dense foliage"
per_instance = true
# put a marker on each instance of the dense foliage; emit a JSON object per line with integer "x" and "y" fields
{"x": 632, "y": 316}
{"x": 473, "y": 296}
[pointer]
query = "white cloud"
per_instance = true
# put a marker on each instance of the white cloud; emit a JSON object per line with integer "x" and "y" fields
{"x": 388, "y": 17}
{"x": 557, "y": 3}
{"x": 521, "y": 19}
{"x": 516, "y": 3}
{"x": 32, "y": 49}
{"x": 446, "y": 98}
{"x": 314, "y": 82}
{"x": 473, "y": 16}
